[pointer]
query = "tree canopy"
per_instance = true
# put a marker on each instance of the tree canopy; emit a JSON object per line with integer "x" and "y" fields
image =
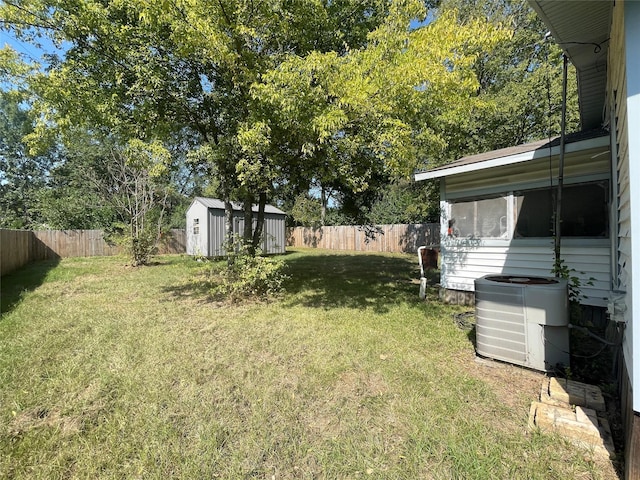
{"x": 272, "y": 100}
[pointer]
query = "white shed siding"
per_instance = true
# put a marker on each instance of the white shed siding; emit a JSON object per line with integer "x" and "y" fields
{"x": 197, "y": 242}
{"x": 462, "y": 263}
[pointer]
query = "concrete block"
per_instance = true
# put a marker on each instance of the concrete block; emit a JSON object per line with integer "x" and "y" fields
{"x": 457, "y": 297}
{"x": 582, "y": 426}
{"x": 563, "y": 392}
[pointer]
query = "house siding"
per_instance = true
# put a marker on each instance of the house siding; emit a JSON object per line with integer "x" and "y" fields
{"x": 632, "y": 155}
{"x": 464, "y": 261}
{"x": 585, "y": 166}
{"x": 624, "y": 91}
{"x": 618, "y": 91}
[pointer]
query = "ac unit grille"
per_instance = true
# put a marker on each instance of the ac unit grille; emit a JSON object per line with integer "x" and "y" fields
{"x": 500, "y": 324}
{"x": 513, "y": 321}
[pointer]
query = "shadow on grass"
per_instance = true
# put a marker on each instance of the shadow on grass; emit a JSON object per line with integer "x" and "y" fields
{"x": 335, "y": 281}
{"x": 466, "y": 321}
{"x": 26, "y": 279}
{"x": 352, "y": 281}
{"x": 195, "y": 284}
{"x": 196, "y": 289}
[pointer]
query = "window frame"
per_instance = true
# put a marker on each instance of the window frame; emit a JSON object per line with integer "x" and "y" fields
{"x": 511, "y": 198}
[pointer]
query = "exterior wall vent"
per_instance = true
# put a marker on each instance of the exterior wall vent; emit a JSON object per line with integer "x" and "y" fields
{"x": 523, "y": 320}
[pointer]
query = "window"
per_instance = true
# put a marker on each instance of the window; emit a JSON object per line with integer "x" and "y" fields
{"x": 196, "y": 226}
{"x": 585, "y": 211}
{"x": 529, "y": 214}
{"x": 485, "y": 218}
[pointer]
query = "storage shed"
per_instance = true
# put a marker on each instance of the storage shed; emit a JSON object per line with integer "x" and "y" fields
{"x": 497, "y": 215}
{"x": 206, "y": 227}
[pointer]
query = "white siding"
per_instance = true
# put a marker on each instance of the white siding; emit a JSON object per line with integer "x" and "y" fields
{"x": 579, "y": 167}
{"x": 623, "y": 89}
{"x": 463, "y": 261}
{"x": 616, "y": 89}
{"x": 197, "y": 242}
{"x": 631, "y": 124}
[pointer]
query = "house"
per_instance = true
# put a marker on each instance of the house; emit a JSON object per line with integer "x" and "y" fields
{"x": 602, "y": 39}
{"x": 206, "y": 227}
{"x": 497, "y": 215}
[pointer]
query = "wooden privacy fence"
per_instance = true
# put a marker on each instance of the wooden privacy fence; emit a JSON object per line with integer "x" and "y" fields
{"x": 380, "y": 238}
{"x": 19, "y": 247}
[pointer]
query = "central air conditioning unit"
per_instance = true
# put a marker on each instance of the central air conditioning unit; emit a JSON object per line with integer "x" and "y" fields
{"x": 523, "y": 320}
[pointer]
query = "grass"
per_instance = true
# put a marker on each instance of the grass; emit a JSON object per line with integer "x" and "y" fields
{"x": 108, "y": 371}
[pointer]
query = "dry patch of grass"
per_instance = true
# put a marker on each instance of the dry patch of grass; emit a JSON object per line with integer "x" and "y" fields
{"x": 115, "y": 372}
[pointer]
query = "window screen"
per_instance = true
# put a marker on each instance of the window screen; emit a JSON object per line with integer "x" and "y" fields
{"x": 485, "y": 218}
{"x": 585, "y": 211}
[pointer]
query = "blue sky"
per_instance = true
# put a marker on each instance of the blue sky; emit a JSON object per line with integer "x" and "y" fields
{"x": 24, "y": 48}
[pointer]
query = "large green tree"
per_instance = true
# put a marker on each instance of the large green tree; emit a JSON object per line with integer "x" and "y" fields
{"x": 359, "y": 119}
{"x": 518, "y": 91}
{"x": 521, "y": 79}
{"x": 22, "y": 175}
{"x": 142, "y": 69}
{"x": 281, "y": 95}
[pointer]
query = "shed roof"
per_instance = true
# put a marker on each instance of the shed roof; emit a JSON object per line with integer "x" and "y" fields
{"x": 219, "y": 204}
{"x": 575, "y": 142}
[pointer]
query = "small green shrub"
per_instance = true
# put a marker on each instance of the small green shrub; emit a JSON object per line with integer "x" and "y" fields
{"x": 247, "y": 277}
{"x": 139, "y": 247}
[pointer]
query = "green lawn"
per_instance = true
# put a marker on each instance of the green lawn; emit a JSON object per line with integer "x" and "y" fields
{"x": 108, "y": 371}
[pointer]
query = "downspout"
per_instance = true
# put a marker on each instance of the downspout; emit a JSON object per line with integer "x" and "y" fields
{"x": 558, "y": 209}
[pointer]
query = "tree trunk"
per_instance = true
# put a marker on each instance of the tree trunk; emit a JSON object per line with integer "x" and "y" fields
{"x": 228, "y": 227}
{"x": 323, "y": 205}
{"x": 247, "y": 234}
{"x": 257, "y": 234}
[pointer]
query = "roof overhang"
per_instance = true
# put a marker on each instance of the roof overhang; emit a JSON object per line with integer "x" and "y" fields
{"x": 582, "y": 29}
{"x": 510, "y": 156}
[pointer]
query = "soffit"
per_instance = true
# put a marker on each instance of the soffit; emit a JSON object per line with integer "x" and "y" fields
{"x": 576, "y": 142}
{"x": 582, "y": 30}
